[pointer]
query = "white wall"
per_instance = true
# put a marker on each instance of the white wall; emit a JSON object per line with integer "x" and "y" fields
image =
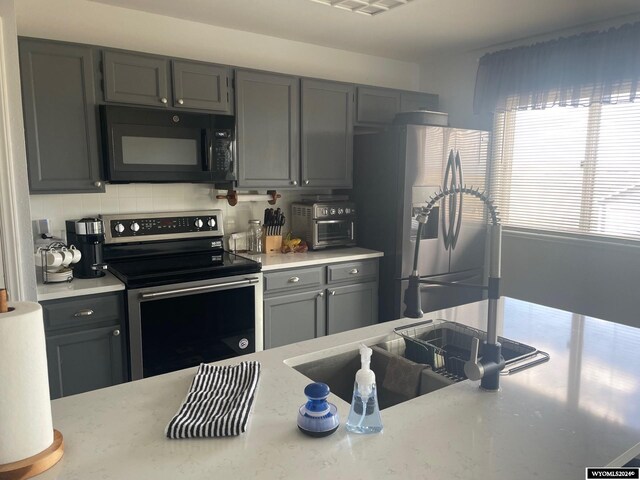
{"x": 88, "y": 22}
{"x": 14, "y": 200}
{"x": 591, "y": 278}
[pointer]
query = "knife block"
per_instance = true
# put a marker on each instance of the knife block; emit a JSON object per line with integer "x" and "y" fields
{"x": 272, "y": 244}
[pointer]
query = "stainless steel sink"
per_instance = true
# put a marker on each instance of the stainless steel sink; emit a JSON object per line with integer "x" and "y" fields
{"x": 427, "y": 357}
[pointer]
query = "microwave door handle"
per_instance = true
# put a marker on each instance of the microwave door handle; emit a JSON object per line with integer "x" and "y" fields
{"x": 208, "y": 146}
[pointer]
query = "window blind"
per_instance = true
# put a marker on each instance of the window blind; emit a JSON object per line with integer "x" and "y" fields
{"x": 569, "y": 169}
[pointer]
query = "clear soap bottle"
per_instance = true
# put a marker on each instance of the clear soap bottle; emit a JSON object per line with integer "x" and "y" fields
{"x": 364, "y": 415}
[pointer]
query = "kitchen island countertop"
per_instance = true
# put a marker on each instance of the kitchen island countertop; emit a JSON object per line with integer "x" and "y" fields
{"x": 547, "y": 423}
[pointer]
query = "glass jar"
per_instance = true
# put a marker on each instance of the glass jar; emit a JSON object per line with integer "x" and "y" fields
{"x": 254, "y": 237}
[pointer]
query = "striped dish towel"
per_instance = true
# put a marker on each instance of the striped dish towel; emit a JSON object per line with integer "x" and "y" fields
{"x": 218, "y": 402}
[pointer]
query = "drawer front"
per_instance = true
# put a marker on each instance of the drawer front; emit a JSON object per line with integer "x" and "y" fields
{"x": 81, "y": 311}
{"x": 352, "y": 271}
{"x": 293, "y": 279}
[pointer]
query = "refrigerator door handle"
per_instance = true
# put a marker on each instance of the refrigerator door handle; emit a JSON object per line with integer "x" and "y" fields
{"x": 458, "y": 213}
{"x": 446, "y": 219}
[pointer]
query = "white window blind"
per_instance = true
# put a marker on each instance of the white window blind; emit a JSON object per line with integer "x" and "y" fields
{"x": 569, "y": 169}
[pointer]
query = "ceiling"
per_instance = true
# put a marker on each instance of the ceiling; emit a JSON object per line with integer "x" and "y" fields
{"x": 411, "y": 32}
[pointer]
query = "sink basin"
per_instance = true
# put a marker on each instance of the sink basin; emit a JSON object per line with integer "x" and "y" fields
{"x": 431, "y": 355}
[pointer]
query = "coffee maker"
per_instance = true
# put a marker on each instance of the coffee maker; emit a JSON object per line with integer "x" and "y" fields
{"x": 87, "y": 234}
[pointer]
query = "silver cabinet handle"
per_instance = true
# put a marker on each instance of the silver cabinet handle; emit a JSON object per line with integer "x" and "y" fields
{"x": 163, "y": 100}
{"x": 83, "y": 313}
{"x": 332, "y": 292}
{"x": 294, "y": 280}
{"x": 353, "y": 271}
{"x": 97, "y": 184}
{"x": 321, "y": 294}
{"x": 116, "y": 332}
{"x": 293, "y": 182}
{"x": 180, "y": 102}
{"x": 306, "y": 182}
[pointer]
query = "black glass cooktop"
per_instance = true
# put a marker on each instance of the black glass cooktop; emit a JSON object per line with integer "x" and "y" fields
{"x": 168, "y": 269}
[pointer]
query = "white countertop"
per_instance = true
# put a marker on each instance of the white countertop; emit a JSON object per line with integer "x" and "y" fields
{"x": 281, "y": 261}
{"x": 78, "y": 287}
{"x": 579, "y": 409}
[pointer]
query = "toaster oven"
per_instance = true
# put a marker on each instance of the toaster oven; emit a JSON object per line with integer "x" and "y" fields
{"x": 325, "y": 224}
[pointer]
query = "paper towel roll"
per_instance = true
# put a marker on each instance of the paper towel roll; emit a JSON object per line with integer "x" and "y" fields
{"x": 26, "y": 428}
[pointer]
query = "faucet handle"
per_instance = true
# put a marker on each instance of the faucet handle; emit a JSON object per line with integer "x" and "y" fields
{"x": 472, "y": 369}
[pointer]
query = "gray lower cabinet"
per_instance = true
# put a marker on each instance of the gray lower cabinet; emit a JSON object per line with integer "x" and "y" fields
{"x": 85, "y": 343}
{"x": 135, "y": 78}
{"x": 352, "y": 306}
{"x": 305, "y": 303}
{"x": 327, "y": 134}
{"x": 60, "y": 118}
{"x": 267, "y": 107}
{"x": 293, "y": 318}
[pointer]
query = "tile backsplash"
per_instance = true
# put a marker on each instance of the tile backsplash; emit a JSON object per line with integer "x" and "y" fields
{"x": 146, "y": 198}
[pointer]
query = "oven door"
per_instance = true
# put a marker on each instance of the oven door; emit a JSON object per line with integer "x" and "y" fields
{"x": 327, "y": 233}
{"x": 182, "y": 325}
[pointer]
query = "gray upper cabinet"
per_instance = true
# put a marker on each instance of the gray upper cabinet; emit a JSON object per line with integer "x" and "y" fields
{"x": 267, "y": 107}
{"x": 135, "y": 78}
{"x": 377, "y": 105}
{"x": 201, "y": 86}
{"x": 60, "y": 118}
{"x": 327, "y": 134}
{"x": 412, "y": 101}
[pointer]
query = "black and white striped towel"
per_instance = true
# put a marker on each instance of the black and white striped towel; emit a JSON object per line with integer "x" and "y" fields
{"x": 218, "y": 402}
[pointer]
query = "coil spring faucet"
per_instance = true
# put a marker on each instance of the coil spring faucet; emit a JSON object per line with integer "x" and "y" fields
{"x": 487, "y": 370}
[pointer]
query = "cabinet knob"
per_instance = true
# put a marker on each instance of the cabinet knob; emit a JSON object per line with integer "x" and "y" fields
{"x": 163, "y": 100}
{"x": 353, "y": 271}
{"x": 332, "y": 292}
{"x": 293, "y": 182}
{"x": 83, "y": 313}
{"x": 294, "y": 279}
{"x": 306, "y": 182}
{"x": 116, "y": 332}
{"x": 97, "y": 184}
{"x": 321, "y": 294}
{"x": 180, "y": 102}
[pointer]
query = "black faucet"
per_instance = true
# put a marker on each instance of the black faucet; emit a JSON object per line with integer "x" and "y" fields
{"x": 487, "y": 370}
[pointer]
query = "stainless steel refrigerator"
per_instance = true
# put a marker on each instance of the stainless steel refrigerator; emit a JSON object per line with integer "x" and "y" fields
{"x": 395, "y": 172}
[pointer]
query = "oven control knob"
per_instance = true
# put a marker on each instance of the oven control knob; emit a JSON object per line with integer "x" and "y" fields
{"x": 340, "y": 211}
{"x": 347, "y": 211}
{"x": 118, "y": 227}
{"x": 198, "y": 223}
{"x": 211, "y": 222}
{"x": 135, "y": 226}
{"x": 332, "y": 211}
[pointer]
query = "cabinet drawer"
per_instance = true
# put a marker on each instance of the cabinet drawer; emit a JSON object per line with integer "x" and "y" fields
{"x": 301, "y": 277}
{"x": 81, "y": 311}
{"x": 352, "y": 271}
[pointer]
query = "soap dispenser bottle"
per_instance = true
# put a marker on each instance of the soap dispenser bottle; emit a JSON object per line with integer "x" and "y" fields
{"x": 364, "y": 416}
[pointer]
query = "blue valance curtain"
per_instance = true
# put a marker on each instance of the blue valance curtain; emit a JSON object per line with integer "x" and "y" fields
{"x": 594, "y": 67}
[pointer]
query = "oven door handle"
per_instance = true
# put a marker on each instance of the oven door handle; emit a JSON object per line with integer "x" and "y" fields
{"x": 203, "y": 288}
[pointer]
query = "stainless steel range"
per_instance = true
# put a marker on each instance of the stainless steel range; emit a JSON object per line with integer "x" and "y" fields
{"x": 189, "y": 301}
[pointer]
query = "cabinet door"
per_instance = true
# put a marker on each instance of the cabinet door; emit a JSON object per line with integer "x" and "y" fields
{"x": 85, "y": 360}
{"x": 293, "y": 318}
{"x": 327, "y": 134}
{"x": 61, "y": 130}
{"x": 352, "y": 306}
{"x": 377, "y": 105}
{"x": 201, "y": 86}
{"x": 268, "y": 130}
{"x": 139, "y": 79}
{"x": 412, "y": 101}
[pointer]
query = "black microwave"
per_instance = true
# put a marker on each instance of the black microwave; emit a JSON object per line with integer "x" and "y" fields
{"x": 147, "y": 145}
